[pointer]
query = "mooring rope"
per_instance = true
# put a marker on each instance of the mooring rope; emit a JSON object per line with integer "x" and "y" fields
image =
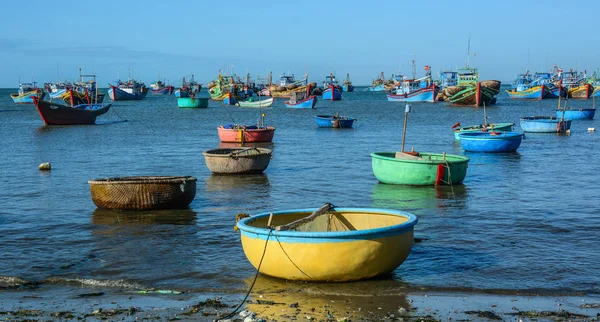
{"x": 253, "y": 282}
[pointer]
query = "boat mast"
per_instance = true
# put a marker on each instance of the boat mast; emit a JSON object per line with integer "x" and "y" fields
{"x": 469, "y": 52}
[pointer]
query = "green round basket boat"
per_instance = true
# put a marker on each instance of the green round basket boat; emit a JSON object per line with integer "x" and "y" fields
{"x": 143, "y": 192}
{"x": 419, "y": 169}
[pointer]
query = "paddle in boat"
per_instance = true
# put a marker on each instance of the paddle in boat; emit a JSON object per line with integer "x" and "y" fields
{"x": 236, "y": 133}
{"x": 328, "y": 244}
{"x": 413, "y": 168}
{"x": 490, "y": 141}
{"x": 334, "y": 121}
{"x": 58, "y": 114}
{"x": 302, "y": 100}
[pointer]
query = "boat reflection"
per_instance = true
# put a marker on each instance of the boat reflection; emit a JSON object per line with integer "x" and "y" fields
{"x": 150, "y": 217}
{"x": 418, "y": 197}
{"x": 217, "y": 182}
{"x": 266, "y": 145}
{"x": 278, "y": 298}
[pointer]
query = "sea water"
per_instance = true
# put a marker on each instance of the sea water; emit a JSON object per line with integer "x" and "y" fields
{"x": 525, "y": 221}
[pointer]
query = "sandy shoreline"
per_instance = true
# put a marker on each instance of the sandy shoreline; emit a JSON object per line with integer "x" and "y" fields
{"x": 95, "y": 304}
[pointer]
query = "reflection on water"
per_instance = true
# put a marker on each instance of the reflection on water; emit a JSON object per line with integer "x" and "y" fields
{"x": 266, "y": 145}
{"x": 149, "y": 217}
{"x": 217, "y": 182}
{"x": 419, "y": 197}
{"x": 339, "y": 299}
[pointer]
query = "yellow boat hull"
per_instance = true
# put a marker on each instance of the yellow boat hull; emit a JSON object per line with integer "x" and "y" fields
{"x": 380, "y": 243}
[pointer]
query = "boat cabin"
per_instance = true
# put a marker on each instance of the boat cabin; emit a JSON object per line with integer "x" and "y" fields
{"x": 448, "y": 78}
{"x": 468, "y": 76}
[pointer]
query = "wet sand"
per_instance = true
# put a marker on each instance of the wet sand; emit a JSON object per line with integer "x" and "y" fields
{"x": 302, "y": 304}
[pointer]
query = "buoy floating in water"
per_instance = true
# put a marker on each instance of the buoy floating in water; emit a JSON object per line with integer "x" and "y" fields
{"x": 591, "y": 129}
{"x": 45, "y": 166}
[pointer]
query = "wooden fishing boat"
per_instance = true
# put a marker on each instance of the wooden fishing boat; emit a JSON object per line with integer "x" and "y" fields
{"x": 331, "y": 89}
{"x": 126, "y": 91}
{"x": 160, "y": 88}
{"x": 474, "y": 95}
{"x": 25, "y": 93}
{"x": 347, "y": 85}
{"x": 251, "y": 102}
{"x": 498, "y": 127}
{"x": 302, "y": 99}
{"x": 58, "y": 114}
{"x": 191, "y": 101}
{"x": 415, "y": 90}
{"x": 490, "y": 141}
{"x": 143, "y": 192}
{"x": 188, "y": 88}
{"x": 250, "y": 160}
{"x": 419, "y": 169}
{"x": 308, "y": 102}
{"x": 582, "y": 91}
{"x": 545, "y": 124}
{"x": 334, "y": 121}
{"x": 330, "y": 245}
{"x": 288, "y": 85}
{"x": 527, "y": 87}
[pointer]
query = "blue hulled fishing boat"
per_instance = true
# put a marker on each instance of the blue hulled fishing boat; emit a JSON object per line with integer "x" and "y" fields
{"x": 331, "y": 89}
{"x": 127, "y": 91}
{"x": 524, "y": 87}
{"x": 26, "y": 91}
{"x": 188, "y": 88}
{"x": 347, "y": 86}
{"x": 415, "y": 90}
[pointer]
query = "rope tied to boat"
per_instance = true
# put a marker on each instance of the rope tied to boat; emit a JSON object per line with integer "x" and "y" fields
{"x": 232, "y": 313}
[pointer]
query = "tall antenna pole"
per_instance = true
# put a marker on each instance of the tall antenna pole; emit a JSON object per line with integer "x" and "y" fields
{"x": 414, "y": 68}
{"x": 469, "y": 52}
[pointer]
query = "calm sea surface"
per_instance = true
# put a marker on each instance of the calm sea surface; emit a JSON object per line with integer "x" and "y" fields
{"x": 527, "y": 221}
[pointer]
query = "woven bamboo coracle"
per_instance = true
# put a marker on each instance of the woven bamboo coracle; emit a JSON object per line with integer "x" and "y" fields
{"x": 237, "y": 160}
{"x": 143, "y": 192}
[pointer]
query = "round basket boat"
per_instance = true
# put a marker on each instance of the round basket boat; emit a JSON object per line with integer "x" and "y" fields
{"x": 143, "y": 192}
{"x": 343, "y": 244}
{"x": 237, "y": 160}
{"x": 419, "y": 169}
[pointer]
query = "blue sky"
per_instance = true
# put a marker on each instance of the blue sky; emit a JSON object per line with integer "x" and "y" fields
{"x": 171, "y": 39}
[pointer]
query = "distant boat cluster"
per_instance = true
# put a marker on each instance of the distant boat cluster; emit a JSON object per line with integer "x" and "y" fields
{"x": 554, "y": 84}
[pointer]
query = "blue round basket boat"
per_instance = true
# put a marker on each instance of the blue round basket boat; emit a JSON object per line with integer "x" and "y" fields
{"x": 490, "y": 141}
